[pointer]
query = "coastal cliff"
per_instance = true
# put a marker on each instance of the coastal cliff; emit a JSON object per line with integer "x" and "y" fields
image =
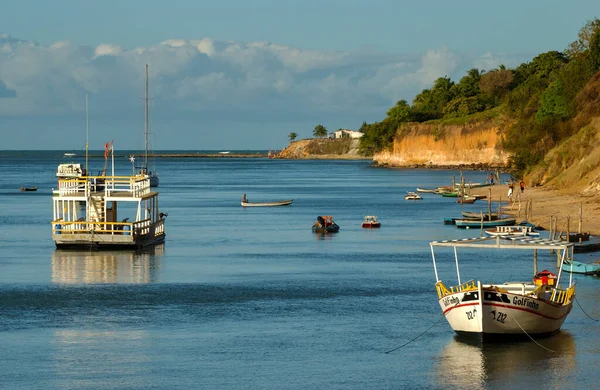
{"x": 322, "y": 148}
{"x": 436, "y": 145}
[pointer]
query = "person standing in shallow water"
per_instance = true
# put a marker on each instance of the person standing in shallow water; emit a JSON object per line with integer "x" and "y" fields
{"x": 491, "y": 179}
{"x": 522, "y": 185}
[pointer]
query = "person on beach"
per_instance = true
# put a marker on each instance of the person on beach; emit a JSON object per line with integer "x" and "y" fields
{"x": 522, "y": 185}
{"x": 511, "y": 186}
{"x": 491, "y": 179}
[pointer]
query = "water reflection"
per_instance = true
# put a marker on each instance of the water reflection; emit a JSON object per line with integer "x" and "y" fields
{"x": 470, "y": 366}
{"x": 72, "y": 266}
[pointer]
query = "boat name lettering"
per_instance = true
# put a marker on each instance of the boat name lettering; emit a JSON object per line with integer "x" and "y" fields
{"x": 525, "y": 302}
{"x": 451, "y": 301}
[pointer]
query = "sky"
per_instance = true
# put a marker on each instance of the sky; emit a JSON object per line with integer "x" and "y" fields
{"x": 239, "y": 75}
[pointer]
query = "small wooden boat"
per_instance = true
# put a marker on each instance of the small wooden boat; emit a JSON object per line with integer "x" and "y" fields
{"x": 27, "y": 189}
{"x": 325, "y": 224}
{"x": 577, "y": 267}
{"x": 268, "y": 204}
{"x": 450, "y": 221}
{"x": 465, "y": 200}
{"x": 477, "y": 215}
{"x": 412, "y": 196}
{"x": 450, "y": 194}
{"x": 486, "y": 311}
{"x": 473, "y": 223}
{"x": 514, "y": 230}
{"x": 371, "y": 222}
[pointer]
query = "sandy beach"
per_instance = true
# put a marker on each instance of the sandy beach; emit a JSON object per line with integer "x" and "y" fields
{"x": 546, "y": 203}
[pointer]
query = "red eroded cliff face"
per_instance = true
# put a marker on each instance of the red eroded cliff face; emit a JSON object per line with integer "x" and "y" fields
{"x": 445, "y": 146}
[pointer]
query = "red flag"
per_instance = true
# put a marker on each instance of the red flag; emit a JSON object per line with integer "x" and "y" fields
{"x": 106, "y": 146}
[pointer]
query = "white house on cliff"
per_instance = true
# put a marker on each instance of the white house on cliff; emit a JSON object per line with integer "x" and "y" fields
{"x": 344, "y": 133}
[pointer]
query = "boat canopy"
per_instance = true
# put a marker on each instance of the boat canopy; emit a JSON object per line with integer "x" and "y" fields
{"x": 506, "y": 242}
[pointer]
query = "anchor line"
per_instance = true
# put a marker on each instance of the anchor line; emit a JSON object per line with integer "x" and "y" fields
{"x": 588, "y": 316}
{"x": 410, "y": 341}
{"x": 528, "y": 335}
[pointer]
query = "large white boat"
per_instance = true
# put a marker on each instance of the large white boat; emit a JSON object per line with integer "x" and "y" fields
{"x": 119, "y": 212}
{"x": 498, "y": 310}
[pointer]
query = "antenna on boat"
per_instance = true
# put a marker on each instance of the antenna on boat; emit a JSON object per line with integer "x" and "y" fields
{"x": 146, "y": 125}
{"x": 86, "y": 134}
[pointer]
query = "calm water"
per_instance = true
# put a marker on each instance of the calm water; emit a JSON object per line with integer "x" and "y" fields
{"x": 251, "y": 298}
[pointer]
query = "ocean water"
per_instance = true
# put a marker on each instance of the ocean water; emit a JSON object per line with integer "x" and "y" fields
{"x": 250, "y": 298}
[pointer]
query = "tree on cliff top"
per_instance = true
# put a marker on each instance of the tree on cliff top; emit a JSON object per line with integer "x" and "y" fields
{"x": 320, "y": 131}
{"x": 293, "y": 136}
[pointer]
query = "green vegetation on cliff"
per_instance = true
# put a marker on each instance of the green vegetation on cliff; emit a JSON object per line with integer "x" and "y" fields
{"x": 545, "y": 101}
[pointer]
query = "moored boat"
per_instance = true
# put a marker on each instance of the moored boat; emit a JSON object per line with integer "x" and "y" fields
{"x": 119, "y": 212}
{"x": 479, "y": 215}
{"x": 577, "y": 267}
{"x": 268, "y": 204}
{"x": 505, "y": 310}
{"x": 512, "y": 230}
{"x": 427, "y": 190}
{"x": 371, "y": 221}
{"x": 465, "y": 199}
{"x": 474, "y": 223}
{"x": 28, "y": 189}
{"x": 412, "y": 196}
{"x": 325, "y": 224}
{"x": 450, "y": 194}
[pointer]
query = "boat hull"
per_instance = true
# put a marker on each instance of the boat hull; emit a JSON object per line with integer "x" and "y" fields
{"x": 371, "y": 225}
{"x": 268, "y": 204}
{"x": 582, "y": 268}
{"x": 477, "y": 216}
{"x": 501, "y": 314}
{"x": 464, "y": 223}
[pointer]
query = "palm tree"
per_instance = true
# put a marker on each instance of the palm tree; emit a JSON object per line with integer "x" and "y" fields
{"x": 320, "y": 131}
{"x": 292, "y": 136}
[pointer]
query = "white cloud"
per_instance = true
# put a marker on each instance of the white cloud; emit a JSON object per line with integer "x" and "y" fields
{"x": 220, "y": 78}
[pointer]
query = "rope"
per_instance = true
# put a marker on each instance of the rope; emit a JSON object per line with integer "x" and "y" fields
{"x": 528, "y": 335}
{"x": 594, "y": 319}
{"x": 410, "y": 341}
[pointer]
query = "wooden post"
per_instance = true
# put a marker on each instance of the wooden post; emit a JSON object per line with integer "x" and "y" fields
{"x": 481, "y": 230}
{"x": 580, "y": 218}
{"x": 530, "y": 215}
{"x": 499, "y": 206}
{"x": 490, "y": 203}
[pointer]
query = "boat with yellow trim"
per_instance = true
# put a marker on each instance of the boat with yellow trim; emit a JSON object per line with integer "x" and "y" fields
{"x": 534, "y": 308}
{"x": 102, "y": 212}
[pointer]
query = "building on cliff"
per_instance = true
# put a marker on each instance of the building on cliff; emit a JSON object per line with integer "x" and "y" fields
{"x": 345, "y": 133}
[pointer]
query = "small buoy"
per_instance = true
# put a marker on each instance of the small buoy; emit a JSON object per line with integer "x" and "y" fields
{"x": 468, "y": 227}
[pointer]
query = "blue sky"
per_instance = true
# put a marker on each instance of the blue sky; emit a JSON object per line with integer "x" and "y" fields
{"x": 234, "y": 74}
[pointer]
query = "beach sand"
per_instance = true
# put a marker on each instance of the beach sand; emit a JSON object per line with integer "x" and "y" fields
{"x": 546, "y": 203}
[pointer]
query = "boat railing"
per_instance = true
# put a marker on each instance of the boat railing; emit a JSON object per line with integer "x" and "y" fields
{"x": 138, "y": 228}
{"x": 562, "y": 296}
{"x": 135, "y": 186}
{"x": 442, "y": 290}
{"x": 88, "y": 227}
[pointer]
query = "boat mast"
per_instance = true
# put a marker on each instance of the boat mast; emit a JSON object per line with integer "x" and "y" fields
{"x": 146, "y": 124}
{"x": 86, "y": 134}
